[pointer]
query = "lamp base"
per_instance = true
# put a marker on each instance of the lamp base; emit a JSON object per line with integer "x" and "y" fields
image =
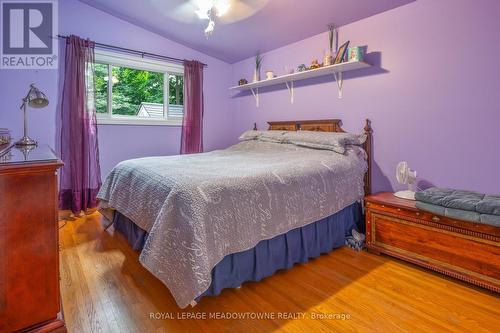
{"x": 26, "y": 141}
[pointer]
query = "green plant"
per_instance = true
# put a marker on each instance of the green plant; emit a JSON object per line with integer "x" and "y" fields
{"x": 258, "y": 61}
{"x": 331, "y": 34}
{"x": 133, "y": 87}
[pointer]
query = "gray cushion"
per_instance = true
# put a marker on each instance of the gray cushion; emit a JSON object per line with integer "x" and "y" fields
{"x": 433, "y": 195}
{"x": 462, "y": 200}
{"x": 489, "y": 205}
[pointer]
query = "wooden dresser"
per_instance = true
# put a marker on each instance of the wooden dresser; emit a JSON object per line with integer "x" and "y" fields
{"x": 29, "y": 241}
{"x": 464, "y": 250}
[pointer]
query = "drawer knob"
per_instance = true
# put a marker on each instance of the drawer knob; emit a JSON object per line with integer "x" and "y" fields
{"x": 399, "y": 209}
{"x": 418, "y": 213}
{"x": 436, "y": 219}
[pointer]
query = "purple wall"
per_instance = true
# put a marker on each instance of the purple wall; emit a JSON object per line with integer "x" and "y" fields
{"x": 117, "y": 143}
{"x": 434, "y": 98}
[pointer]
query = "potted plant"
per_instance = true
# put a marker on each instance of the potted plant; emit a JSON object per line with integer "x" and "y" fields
{"x": 258, "y": 64}
{"x": 332, "y": 34}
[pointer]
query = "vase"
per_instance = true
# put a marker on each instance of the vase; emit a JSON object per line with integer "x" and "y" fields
{"x": 328, "y": 59}
{"x": 256, "y": 75}
{"x": 269, "y": 75}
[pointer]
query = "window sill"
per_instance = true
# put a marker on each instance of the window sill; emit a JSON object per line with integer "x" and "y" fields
{"x": 138, "y": 121}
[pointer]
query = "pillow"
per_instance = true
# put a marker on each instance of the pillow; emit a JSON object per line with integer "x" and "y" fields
{"x": 318, "y": 140}
{"x": 272, "y": 136}
{"x": 325, "y": 140}
{"x": 249, "y": 135}
{"x": 351, "y": 138}
{"x": 337, "y": 149}
{"x": 266, "y": 136}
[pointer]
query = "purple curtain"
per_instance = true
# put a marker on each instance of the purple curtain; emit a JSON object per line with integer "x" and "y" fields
{"x": 81, "y": 175}
{"x": 192, "y": 125}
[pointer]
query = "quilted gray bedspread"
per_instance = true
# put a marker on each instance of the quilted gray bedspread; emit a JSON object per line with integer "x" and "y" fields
{"x": 199, "y": 208}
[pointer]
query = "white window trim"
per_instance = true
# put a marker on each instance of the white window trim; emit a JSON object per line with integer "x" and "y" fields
{"x": 130, "y": 61}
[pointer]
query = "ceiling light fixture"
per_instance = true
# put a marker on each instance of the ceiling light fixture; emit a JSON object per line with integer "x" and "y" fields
{"x": 209, "y": 9}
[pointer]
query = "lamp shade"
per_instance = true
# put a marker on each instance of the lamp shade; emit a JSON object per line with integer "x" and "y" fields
{"x": 36, "y": 98}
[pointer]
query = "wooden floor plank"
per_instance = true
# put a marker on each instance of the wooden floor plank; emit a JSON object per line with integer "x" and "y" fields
{"x": 105, "y": 289}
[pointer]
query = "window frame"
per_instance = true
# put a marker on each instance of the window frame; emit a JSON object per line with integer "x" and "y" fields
{"x": 135, "y": 62}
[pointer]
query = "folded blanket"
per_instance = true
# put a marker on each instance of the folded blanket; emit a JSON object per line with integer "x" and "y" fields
{"x": 490, "y": 219}
{"x": 450, "y": 212}
{"x": 461, "y": 200}
{"x": 460, "y": 214}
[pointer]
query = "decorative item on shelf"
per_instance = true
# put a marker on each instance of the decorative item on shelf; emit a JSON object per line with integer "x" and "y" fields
{"x": 4, "y": 136}
{"x": 242, "y": 82}
{"x": 327, "y": 58}
{"x": 355, "y": 53}
{"x": 288, "y": 70}
{"x": 37, "y": 100}
{"x": 314, "y": 64}
{"x": 269, "y": 74}
{"x": 332, "y": 41}
{"x": 341, "y": 53}
{"x": 258, "y": 64}
{"x": 301, "y": 68}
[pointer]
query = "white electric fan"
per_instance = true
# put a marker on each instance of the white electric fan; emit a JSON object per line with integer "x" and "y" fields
{"x": 405, "y": 175}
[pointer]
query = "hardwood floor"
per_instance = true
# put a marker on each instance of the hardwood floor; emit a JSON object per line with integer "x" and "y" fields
{"x": 105, "y": 289}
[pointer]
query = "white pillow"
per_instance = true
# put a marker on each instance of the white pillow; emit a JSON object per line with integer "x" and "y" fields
{"x": 266, "y": 136}
{"x": 324, "y": 140}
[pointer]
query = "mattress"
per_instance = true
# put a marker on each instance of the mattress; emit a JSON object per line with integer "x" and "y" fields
{"x": 199, "y": 208}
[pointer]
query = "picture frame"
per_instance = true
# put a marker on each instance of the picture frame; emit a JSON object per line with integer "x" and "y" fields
{"x": 341, "y": 53}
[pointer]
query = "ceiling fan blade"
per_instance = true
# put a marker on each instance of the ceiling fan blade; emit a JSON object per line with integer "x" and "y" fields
{"x": 180, "y": 10}
{"x": 185, "y": 10}
{"x": 242, "y": 9}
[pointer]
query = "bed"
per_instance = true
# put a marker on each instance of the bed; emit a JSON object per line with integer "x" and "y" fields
{"x": 205, "y": 222}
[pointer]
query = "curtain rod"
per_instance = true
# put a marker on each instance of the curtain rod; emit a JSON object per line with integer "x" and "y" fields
{"x": 141, "y": 53}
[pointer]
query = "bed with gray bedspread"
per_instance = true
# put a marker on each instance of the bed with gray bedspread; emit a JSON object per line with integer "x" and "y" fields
{"x": 199, "y": 208}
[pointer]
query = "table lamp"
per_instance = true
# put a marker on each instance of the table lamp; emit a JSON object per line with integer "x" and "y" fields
{"x": 37, "y": 100}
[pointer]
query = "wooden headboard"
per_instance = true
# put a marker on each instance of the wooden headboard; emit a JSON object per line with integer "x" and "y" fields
{"x": 329, "y": 125}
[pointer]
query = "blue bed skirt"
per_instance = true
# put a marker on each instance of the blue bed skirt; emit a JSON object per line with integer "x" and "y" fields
{"x": 268, "y": 256}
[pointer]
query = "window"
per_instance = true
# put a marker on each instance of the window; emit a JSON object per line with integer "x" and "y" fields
{"x": 137, "y": 91}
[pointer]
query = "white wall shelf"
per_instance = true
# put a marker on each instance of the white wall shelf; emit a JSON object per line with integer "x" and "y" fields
{"x": 289, "y": 79}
